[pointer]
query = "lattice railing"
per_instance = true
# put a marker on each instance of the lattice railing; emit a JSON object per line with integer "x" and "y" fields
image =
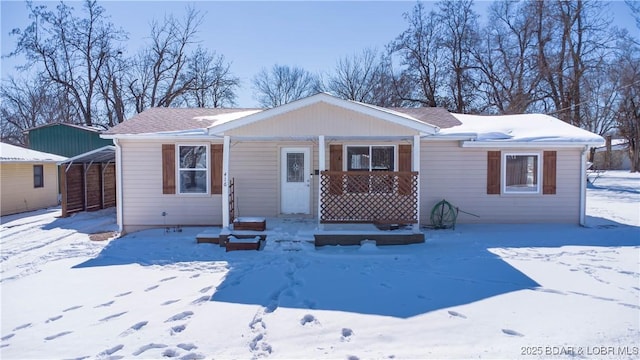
{"x": 364, "y": 196}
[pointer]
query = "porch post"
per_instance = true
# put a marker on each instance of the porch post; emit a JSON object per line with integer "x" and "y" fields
{"x": 225, "y": 181}
{"x": 321, "y": 168}
{"x": 416, "y": 167}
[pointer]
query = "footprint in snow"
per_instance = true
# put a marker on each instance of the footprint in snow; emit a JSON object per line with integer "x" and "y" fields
{"x": 169, "y": 302}
{"x": 308, "y": 319}
{"x": 192, "y": 356}
{"x": 52, "y": 337}
{"x": 178, "y": 329}
{"x": 167, "y": 279}
{"x": 194, "y": 276}
{"x": 187, "y": 347}
{"x": 353, "y": 357}
{"x": 511, "y": 332}
{"x": 113, "y": 316}
{"x": 201, "y": 299}
{"x": 204, "y": 290}
{"x": 105, "y": 304}
{"x": 346, "y": 334}
{"x": 7, "y": 337}
{"x": 24, "y": 326}
{"x": 124, "y": 294}
{"x": 148, "y": 347}
{"x": 181, "y": 316}
{"x": 111, "y": 351}
{"x": 135, "y": 327}
{"x": 72, "y": 308}
{"x": 151, "y": 288}
{"x": 170, "y": 353}
{"x": 456, "y": 314}
{"x": 52, "y": 319}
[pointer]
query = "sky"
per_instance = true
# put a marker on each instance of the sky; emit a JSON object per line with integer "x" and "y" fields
{"x": 253, "y": 35}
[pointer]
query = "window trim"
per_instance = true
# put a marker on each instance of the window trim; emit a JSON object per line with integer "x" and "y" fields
{"x": 503, "y": 173}
{"x": 345, "y": 157}
{"x": 41, "y": 183}
{"x": 179, "y": 169}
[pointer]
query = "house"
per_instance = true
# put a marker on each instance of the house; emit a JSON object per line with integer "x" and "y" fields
{"x": 28, "y": 179}
{"x": 87, "y": 179}
{"x": 613, "y": 155}
{"x": 340, "y": 161}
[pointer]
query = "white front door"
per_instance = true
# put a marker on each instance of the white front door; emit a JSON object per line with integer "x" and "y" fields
{"x": 295, "y": 191}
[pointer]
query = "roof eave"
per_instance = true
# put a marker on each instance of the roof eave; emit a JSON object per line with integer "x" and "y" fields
{"x": 527, "y": 144}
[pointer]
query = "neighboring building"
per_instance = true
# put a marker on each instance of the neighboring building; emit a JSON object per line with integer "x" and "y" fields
{"x": 613, "y": 155}
{"x": 28, "y": 179}
{"x": 66, "y": 139}
{"x": 89, "y": 175}
{"x": 341, "y": 161}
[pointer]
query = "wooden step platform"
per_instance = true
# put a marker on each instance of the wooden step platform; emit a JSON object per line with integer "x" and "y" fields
{"x": 209, "y": 237}
{"x": 233, "y": 242}
{"x": 250, "y": 223}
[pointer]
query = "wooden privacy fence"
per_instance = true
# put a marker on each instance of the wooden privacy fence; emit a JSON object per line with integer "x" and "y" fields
{"x": 369, "y": 196}
{"x": 87, "y": 187}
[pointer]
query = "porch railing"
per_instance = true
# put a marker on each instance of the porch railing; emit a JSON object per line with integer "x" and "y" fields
{"x": 369, "y": 196}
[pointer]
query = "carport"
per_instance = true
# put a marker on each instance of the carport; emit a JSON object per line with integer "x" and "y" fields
{"x": 88, "y": 181}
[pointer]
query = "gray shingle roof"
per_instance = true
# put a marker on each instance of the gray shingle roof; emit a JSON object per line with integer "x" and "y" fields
{"x": 162, "y": 119}
{"x": 435, "y": 116}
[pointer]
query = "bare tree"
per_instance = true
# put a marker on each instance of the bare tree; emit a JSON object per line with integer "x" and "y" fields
{"x": 507, "y": 59}
{"x": 283, "y": 84}
{"x": 113, "y": 91}
{"x": 459, "y": 38}
{"x": 572, "y": 39}
{"x": 420, "y": 53}
{"x": 627, "y": 67}
{"x": 356, "y": 77}
{"x": 159, "y": 73}
{"x": 27, "y": 103}
{"x": 72, "y": 50}
{"x": 214, "y": 85}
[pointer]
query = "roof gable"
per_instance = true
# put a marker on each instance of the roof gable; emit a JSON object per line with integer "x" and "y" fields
{"x": 389, "y": 115}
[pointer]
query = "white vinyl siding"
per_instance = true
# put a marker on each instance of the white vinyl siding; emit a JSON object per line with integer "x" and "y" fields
{"x": 255, "y": 168}
{"x": 144, "y": 202}
{"x": 459, "y": 175}
{"x": 17, "y": 190}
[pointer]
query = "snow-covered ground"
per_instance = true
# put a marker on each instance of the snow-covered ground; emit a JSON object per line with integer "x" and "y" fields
{"x": 491, "y": 291}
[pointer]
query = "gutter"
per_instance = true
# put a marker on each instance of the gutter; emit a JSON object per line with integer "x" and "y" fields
{"x": 119, "y": 195}
{"x": 583, "y": 185}
{"x": 527, "y": 144}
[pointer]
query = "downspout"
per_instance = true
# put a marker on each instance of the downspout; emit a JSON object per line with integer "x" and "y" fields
{"x": 119, "y": 196}
{"x": 583, "y": 184}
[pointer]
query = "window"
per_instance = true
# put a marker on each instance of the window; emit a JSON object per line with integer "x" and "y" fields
{"x": 370, "y": 158}
{"x": 38, "y": 176}
{"x": 192, "y": 169}
{"x": 521, "y": 173}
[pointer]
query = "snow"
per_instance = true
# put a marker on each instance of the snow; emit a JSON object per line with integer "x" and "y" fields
{"x": 224, "y": 118}
{"x": 490, "y": 291}
{"x": 12, "y": 153}
{"x": 519, "y": 128}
